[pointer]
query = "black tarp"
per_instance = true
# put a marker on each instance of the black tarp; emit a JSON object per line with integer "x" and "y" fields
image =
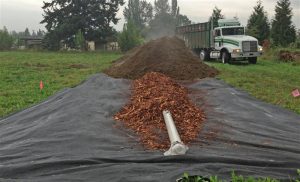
{"x": 72, "y": 137}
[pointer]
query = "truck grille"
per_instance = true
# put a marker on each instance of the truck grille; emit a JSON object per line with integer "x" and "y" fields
{"x": 249, "y": 46}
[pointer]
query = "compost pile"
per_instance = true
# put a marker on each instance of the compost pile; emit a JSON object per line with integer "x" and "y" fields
{"x": 167, "y": 55}
{"x": 152, "y": 94}
{"x": 288, "y": 56}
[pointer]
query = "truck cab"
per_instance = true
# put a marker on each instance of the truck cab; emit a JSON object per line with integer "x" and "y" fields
{"x": 231, "y": 43}
{"x": 226, "y": 41}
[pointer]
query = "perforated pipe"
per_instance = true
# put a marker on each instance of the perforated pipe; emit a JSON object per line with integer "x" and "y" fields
{"x": 177, "y": 147}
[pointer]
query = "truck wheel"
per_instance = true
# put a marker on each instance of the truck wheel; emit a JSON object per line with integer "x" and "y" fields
{"x": 252, "y": 60}
{"x": 204, "y": 55}
{"x": 225, "y": 57}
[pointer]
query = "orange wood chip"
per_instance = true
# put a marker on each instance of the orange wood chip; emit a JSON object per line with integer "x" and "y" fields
{"x": 152, "y": 94}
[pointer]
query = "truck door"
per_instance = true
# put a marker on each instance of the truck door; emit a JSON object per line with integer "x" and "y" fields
{"x": 218, "y": 39}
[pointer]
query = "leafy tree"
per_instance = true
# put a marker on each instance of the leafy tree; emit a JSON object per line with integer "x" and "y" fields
{"x": 6, "y": 40}
{"x": 161, "y": 7}
{"x": 183, "y": 20}
{"x": 27, "y": 33}
{"x": 166, "y": 18}
{"x": 216, "y": 15}
{"x": 140, "y": 12}
{"x": 63, "y": 18}
{"x": 180, "y": 19}
{"x": 175, "y": 8}
{"x": 258, "y": 24}
{"x": 283, "y": 32}
{"x": 163, "y": 22}
{"x": 130, "y": 37}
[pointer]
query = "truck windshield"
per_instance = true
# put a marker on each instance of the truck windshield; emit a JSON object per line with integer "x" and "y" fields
{"x": 233, "y": 31}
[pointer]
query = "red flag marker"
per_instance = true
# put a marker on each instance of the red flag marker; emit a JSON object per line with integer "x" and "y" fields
{"x": 41, "y": 85}
{"x": 296, "y": 93}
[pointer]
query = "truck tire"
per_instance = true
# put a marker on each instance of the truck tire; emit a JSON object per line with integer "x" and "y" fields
{"x": 252, "y": 60}
{"x": 225, "y": 57}
{"x": 204, "y": 55}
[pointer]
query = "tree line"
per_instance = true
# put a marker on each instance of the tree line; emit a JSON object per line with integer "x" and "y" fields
{"x": 13, "y": 38}
{"x": 146, "y": 21}
{"x": 73, "y": 22}
{"x": 280, "y": 31}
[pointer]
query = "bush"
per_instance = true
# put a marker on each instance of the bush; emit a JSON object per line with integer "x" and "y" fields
{"x": 6, "y": 40}
{"x": 130, "y": 37}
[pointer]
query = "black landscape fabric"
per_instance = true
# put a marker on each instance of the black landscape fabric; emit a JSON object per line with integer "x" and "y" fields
{"x": 72, "y": 137}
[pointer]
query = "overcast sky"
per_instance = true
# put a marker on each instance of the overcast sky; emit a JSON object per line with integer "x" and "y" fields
{"x": 19, "y": 14}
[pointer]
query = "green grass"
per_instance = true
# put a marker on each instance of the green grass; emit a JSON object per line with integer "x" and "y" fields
{"x": 21, "y": 72}
{"x": 234, "y": 178}
{"x": 270, "y": 81}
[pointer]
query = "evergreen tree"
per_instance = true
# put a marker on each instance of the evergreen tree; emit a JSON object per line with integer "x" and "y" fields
{"x": 40, "y": 33}
{"x": 33, "y": 34}
{"x": 15, "y": 37}
{"x": 63, "y": 18}
{"x": 14, "y": 34}
{"x": 27, "y": 33}
{"x": 258, "y": 24}
{"x": 6, "y": 40}
{"x": 283, "y": 32}
{"x": 79, "y": 40}
{"x": 139, "y": 12}
{"x": 216, "y": 15}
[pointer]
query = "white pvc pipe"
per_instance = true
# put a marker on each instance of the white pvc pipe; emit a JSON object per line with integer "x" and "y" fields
{"x": 177, "y": 147}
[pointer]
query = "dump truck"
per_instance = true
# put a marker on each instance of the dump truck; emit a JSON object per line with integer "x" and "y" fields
{"x": 226, "y": 41}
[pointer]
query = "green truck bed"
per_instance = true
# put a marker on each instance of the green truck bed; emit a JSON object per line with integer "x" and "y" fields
{"x": 196, "y": 35}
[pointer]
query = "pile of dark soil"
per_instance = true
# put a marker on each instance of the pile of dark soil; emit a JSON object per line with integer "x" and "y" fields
{"x": 152, "y": 94}
{"x": 167, "y": 55}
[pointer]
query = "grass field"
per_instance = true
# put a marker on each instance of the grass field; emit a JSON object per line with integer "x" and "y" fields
{"x": 21, "y": 72}
{"x": 270, "y": 81}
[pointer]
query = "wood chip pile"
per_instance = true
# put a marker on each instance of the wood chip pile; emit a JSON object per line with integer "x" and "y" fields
{"x": 152, "y": 94}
